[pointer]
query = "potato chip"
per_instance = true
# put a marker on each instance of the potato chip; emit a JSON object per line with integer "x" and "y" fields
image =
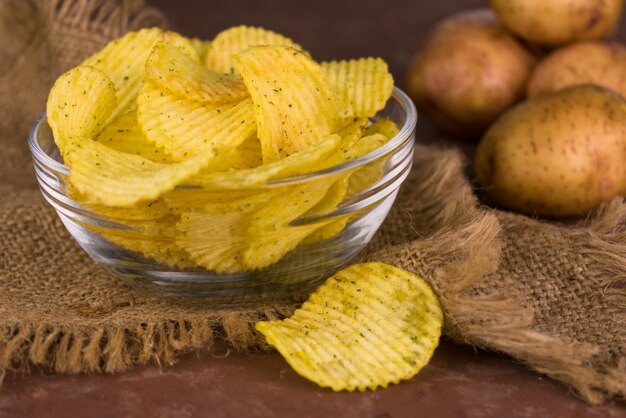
{"x": 292, "y": 100}
{"x": 125, "y": 135}
{"x": 236, "y": 40}
{"x": 362, "y": 87}
{"x": 383, "y": 126}
{"x": 79, "y": 104}
{"x": 172, "y": 69}
{"x": 186, "y": 128}
{"x": 123, "y": 60}
{"x": 297, "y": 163}
{"x": 115, "y": 178}
{"x": 367, "y": 326}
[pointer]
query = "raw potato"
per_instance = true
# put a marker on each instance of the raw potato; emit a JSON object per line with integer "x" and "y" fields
{"x": 556, "y": 22}
{"x": 592, "y": 62}
{"x": 470, "y": 71}
{"x": 558, "y": 155}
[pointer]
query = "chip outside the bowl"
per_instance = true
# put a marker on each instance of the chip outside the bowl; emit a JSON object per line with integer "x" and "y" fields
{"x": 367, "y": 326}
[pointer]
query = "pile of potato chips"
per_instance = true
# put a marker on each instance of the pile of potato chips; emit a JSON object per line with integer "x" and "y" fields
{"x": 176, "y": 139}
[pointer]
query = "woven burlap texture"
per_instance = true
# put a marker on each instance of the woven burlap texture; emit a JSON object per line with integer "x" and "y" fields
{"x": 550, "y": 296}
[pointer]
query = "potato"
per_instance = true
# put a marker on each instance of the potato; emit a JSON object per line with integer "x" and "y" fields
{"x": 556, "y": 22}
{"x": 469, "y": 72}
{"x": 580, "y": 63}
{"x": 557, "y": 155}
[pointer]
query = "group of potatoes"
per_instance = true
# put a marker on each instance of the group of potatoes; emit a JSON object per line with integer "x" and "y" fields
{"x": 561, "y": 152}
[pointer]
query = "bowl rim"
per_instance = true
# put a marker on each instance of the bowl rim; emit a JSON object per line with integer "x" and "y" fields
{"x": 400, "y": 138}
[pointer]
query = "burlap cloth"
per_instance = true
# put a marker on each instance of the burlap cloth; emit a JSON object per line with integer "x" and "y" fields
{"x": 550, "y": 296}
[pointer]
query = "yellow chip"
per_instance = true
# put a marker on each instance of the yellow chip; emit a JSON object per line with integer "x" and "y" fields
{"x": 238, "y": 39}
{"x": 185, "y": 128}
{"x": 383, "y": 126}
{"x": 368, "y": 326}
{"x": 123, "y": 61}
{"x": 79, "y": 104}
{"x": 115, "y": 178}
{"x": 292, "y": 100}
{"x": 125, "y": 135}
{"x": 297, "y": 163}
{"x": 172, "y": 69}
{"x": 362, "y": 86}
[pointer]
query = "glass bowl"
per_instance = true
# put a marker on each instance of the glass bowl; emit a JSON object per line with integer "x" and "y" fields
{"x": 289, "y": 258}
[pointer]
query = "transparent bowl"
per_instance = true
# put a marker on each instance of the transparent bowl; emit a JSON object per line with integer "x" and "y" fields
{"x": 291, "y": 258}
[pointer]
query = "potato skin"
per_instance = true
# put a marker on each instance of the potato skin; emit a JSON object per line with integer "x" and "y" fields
{"x": 558, "y": 155}
{"x": 600, "y": 63}
{"x": 469, "y": 72}
{"x": 556, "y": 22}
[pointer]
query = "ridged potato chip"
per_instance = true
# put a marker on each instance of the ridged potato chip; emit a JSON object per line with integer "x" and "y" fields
{"x": 362, "y": 86}
{"x": 293, "y": 103}
{"x": 172, "y": 69}
{"x": 115, "y": 178}
{"x": 79, "y": 104}
{"x": 366, "y": 327}
{"x": 125, "y": 135}
{"x": 123, "y": 60}
{"x": 186, "y": 128}
{"x": 238, "y": 39}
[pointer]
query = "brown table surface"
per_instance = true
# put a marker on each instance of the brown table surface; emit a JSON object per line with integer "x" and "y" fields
{"x": 459, "y": 381}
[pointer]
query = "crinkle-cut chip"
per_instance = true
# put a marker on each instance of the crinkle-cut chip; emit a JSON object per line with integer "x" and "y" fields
{"x": 292, "y": 99}
{"x": 362, "y": 86}
{"x": 362, "y": 146}
{"x": 123, "y": 61}
{"x": 125, "y": 135}
{"x": 142, "y": 211}
{"x": 186, "y": 128}
{"x": 202, "y": 48}
{"x": 297, "y": 163}
{"x": 237, "y": 39}
{"x": 114, "y": 178}
{"x": 383, "y": 126}
{"x": 172, "y": 69}
{"x": 79, "y": 104}
{"x": 366, "y": 327}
